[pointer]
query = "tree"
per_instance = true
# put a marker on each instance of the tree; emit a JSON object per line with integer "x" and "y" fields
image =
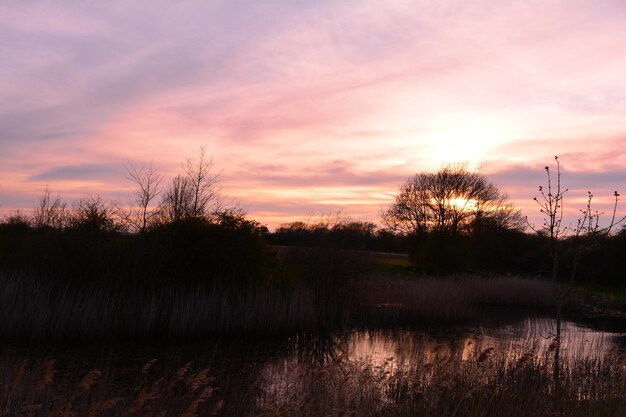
{"x": 202, "y": 184}
{"x": 450, "y": 201}
{"x": 94, "y": 215}
{"x": 49, "y": 212}
{"x": 582, "y": 237}
{"x": 192, "y": 194}
{"x": 148, "y": 182}
{"x": 447, "y": 215}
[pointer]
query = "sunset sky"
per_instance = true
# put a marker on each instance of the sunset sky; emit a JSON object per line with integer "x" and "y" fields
{"x": 311, "y": 106}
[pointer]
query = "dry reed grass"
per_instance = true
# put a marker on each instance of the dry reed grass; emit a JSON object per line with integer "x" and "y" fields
{"x": 492, "y": 381}
{"x": 476, "y": 379}
{"x": 35, "y": 309}
{"x": 433, "y": 300}
{"x": 34, "y": 392}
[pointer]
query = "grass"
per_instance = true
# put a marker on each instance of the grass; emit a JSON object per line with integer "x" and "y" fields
{"x": 488, "y": 379}
{"x": 460, "y": 299}
{"x": 38, "y": 390}
{"x": 38, "y": 309}
{"x": 485, "y": 379}
{"x": 389, "y": 263}
{"x": 35, "y": 309}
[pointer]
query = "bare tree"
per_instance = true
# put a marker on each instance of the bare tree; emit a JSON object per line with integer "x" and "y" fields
{"x": 587, "y": 232}
{"x": 176, "y": 201}
{"x": 192, "y": 194}
{"x": 95, "y": 214}
{"x": 148, "y": 182}
{"x": 49, "y": 212}
{"x": 450, "y": 200}
{"x": 202, "y": 183}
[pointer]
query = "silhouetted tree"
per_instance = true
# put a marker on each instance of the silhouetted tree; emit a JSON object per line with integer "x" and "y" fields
{"x": 581, "y": 238}
{"x": 148, "y": 182}
{"x": 192, "y": 194}
{"x": 93, "y": 214}
{"x": 444, "y": 213}
{"x": 452, "y": 200}
{"x": 573, "y": 241}
{"x": 49, "y": 212}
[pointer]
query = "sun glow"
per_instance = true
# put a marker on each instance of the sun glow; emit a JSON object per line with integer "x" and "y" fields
{"x": 462, "y": 203}
{"x": 464, "y": 143}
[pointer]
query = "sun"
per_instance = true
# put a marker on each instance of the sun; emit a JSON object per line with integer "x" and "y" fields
{"x": 461, "y": 203}
{"x": 468, "y": 142}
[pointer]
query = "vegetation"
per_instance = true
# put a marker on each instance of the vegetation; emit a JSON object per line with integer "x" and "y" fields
{"x": 180, "y": 264}
{"x": 181, "y": 267}
{"x": 584, "y": 235}
{"x": 476, "y": 379}
{"x": 337, "y": 232}
{"x": 37, "y": 309}
{"x": 451, "y": 201}
{"x": 456, "y": 220}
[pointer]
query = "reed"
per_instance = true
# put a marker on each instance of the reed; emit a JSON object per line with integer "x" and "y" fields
{"x": 39, "y": 309}
{"x": 35, "y": 309}
{"x": 459, "y": 299}
{"x": 488, "y": 379}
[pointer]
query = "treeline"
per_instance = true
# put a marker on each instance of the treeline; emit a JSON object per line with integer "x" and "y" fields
{"x": 339, "y": 234}
{"x": 485, "y": 247}
{"x": 500, "y": 250}
{"x": 179, "y": 233}
{"x": 225, "y": 249}
{"x": 490, "y": 248}
{"x": 180, "y": 263}
{"x": 451, "y": 221}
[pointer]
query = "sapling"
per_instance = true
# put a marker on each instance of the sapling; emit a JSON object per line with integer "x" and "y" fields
{"x": 587, "y": 232}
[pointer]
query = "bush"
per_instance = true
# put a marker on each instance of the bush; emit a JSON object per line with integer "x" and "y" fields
{"x": 226, "y": 251}
{"x": 230, "y": 251}
{"x": 441, "y": 253}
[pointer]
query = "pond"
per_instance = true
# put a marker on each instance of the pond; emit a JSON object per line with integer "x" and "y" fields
{"x": 334, "y": 374}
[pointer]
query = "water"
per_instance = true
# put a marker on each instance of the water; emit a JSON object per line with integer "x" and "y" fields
{"x": 325, "y": 372}
{"x": 385, "y": 354}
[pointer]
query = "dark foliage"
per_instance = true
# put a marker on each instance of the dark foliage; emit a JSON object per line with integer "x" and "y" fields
{"x": 441, "y": 253}
{"x": 226, "y": 251}
{"x": 351, "y": 235}
{"x": 485, "y": 247}
{"x": 602, "y": 263}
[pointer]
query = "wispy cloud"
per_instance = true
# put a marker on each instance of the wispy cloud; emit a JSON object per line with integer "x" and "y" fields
{"x": 341, "y": 99}
{"x": 79, "y": 172}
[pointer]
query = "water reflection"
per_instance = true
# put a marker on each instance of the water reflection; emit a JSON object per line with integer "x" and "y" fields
{"x": 404, "y": 347}
{"x": 361, "y": 370}
{"x": 410, "y": 359}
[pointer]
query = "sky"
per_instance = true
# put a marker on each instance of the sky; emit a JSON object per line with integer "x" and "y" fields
{"x": 309, "y": 107}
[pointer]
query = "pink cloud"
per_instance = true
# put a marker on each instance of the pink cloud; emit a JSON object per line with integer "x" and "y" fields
{"x": 317, "y": 106}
